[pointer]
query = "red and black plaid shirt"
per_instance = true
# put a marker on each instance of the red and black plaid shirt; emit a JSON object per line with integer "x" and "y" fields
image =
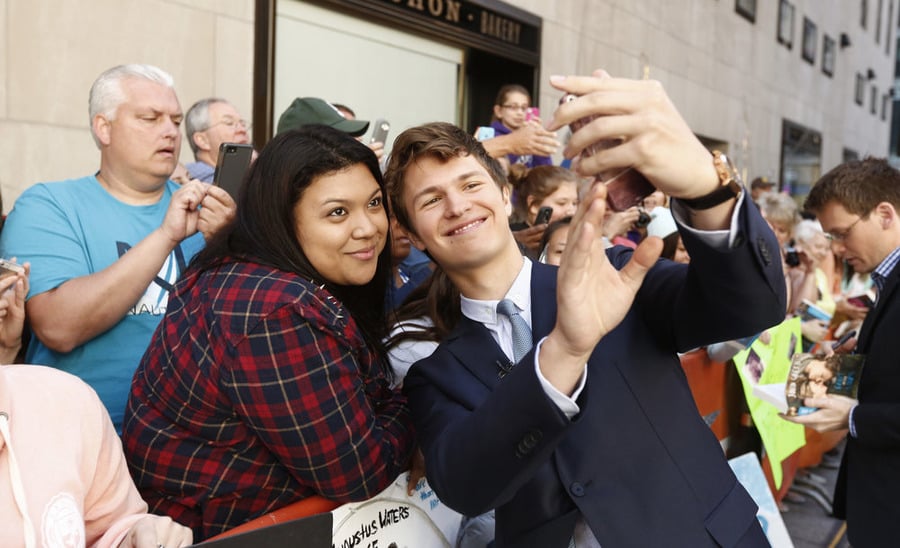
{"x": 256, "y": 391}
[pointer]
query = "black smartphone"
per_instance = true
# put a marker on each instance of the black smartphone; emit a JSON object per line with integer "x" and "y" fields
{"x": 380, "y": 131}
{"x": 232, "y": 165}
{"x": 543, "y": 215}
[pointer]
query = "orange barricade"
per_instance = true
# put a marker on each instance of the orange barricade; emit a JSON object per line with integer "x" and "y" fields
{"x": 299, "y": 509}
{"x": 817, "y": 444}
{"x": 706, "y": 379}
{"x": 789, "y": 468}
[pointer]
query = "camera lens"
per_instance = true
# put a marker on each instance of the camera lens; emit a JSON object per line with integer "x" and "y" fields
{"x": 230, "y": 148}
{"x": 642, "y": 220}
{"x": 791, "y": 257}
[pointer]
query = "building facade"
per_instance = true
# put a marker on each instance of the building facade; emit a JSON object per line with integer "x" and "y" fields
{"x": 790, "y": 88}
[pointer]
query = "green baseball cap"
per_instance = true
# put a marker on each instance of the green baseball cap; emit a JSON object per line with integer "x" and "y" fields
{"x": 312, "y": 110}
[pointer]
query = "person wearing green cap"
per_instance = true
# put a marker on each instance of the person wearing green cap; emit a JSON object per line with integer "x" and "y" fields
{"x": 305, "y": 111}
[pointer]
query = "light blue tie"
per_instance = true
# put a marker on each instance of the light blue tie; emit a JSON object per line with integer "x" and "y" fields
{"x": 521, "y": 333}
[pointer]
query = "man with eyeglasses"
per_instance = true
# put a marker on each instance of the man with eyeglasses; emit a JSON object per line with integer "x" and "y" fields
{"x": 857, "y": 204}
{"x": 208, "y": 123}
{"x": 105, "y": 249}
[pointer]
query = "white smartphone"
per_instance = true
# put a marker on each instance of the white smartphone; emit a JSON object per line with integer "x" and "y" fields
{"x": 483, "y": 133}
{"x": 9, "y": 268}
{"x": 380, "y": 131}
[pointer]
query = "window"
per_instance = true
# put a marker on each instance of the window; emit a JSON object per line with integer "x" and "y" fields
{"x": 746, "y": 8}
{"x": 828, "y": 55}
{"x": 863, "y": 12}
{"x": 873, "y": 99}
{"x": 786, "y": 23}
{"x": 801, "y": 158}
{"x": 860, "y": 88}
{"x": 878, "y": 22}
{"x": 889, "y": 28}
{"x": 885, "y": 105}
{"x": 809, "y": 41}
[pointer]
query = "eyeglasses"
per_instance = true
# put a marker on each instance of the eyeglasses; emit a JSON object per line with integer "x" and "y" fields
{"x": 231, "y": 123}
{"x": 842, "y": 235}
{"x": 519, "y": 108}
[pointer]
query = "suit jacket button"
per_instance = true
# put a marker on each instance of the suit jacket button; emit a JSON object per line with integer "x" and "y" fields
{"x": 577, "y": 489}
{"x": 764, "y": 251}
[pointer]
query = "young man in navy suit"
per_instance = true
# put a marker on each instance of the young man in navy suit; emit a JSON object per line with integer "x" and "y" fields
{"x": 592, "y": 436}
{"x": 857, "y": 204}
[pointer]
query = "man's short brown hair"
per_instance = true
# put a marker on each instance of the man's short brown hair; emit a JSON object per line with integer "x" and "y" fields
{"x": 858, "y": 186}
{"x": 438, "y": 140}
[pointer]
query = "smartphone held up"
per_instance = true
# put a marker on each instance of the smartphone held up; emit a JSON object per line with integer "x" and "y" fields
{"x": 543, "y": 215}
{"x": 380, "y": 131}
{"x": 231, "y": 167}
{"x": 624, "y": 189}
{"x": 10, "y": 269}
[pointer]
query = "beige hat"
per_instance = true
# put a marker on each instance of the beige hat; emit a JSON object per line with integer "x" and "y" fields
{"x": 661, "y": 222}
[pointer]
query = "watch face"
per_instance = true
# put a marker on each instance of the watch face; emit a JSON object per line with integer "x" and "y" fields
{"x": 725, "y": 168}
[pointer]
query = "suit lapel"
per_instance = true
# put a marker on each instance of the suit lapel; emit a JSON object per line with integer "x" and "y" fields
{"x": 890, "y": 287}
{"x": 472, "y": 344}
{"x": 543, "y": 300}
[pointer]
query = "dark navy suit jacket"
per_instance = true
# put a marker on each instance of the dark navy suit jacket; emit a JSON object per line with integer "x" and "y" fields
{"x": 867, "y": 493}
{"x": 637, "y": 461}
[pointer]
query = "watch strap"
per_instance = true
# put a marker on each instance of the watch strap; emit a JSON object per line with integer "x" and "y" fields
{"x": 729, "y": 185}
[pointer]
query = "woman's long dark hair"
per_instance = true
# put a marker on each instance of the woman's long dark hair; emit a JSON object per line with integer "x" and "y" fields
{"x": 263, "y": 230}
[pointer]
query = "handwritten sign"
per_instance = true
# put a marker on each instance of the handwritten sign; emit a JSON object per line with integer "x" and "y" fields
{"x": 394, "y": 519}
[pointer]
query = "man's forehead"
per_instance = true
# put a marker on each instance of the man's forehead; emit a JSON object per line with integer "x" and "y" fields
{"x": 146, "y": 94}
{"x": 832, "y": 213}
{"x": 223, "y": 108}
{"x": 434, "y": 170}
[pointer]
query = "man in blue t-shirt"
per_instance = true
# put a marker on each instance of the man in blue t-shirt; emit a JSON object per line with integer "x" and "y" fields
{"x": 106, "y": 249}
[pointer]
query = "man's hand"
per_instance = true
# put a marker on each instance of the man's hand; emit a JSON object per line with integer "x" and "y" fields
{"x": 655, "y": 138}
{"x": 833, "y": 413}
{"x": 13, "y": 290}
{"x": 183, "y": 214}
{"x": 218, "y": 210}
{"x": 156, "y": 531}
{"x": 592, "y": 296}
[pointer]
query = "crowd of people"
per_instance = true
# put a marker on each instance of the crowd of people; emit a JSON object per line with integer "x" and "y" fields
{"x": 463, "y": 309}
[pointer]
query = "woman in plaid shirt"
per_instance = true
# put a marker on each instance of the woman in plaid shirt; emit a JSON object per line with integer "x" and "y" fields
{"x": 266, "y": 382}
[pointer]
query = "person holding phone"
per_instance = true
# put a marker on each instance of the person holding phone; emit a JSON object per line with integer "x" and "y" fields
{"x": 209, "y": 123}
{"x": 13, "y": 288}
{"x": 105, "y": 249}
{"x": 519, "y": 140}
{"x": 67, "y": 477}
{"x": 540, "y": 196}
{"x": 558, "y": 398}
{"x": 267, "y": 382}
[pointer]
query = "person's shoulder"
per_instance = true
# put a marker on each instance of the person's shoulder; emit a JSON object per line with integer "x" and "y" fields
{"x": 499, "y": 128}
{"x": 201, "y": 171}
{"x": 44, "y": 382}
{"x": 59, "y": 190}
{"x": 264, "y": 289}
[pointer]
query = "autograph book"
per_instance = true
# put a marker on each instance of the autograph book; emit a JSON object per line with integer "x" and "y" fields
{"x": 813, "y": 375}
